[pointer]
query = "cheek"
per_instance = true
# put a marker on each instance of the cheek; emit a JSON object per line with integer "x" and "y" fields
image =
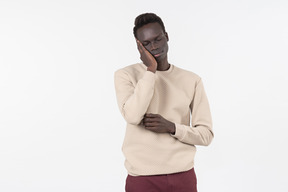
{"x": 165, "y": 46}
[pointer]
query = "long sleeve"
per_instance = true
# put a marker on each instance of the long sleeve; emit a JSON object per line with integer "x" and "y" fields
{"x": 178, "y": 96}
{"x": 133, "y": 97}
{"x": 201, "y": 131}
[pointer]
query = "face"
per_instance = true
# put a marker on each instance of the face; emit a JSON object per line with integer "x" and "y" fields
{"x": 154, "y": 40}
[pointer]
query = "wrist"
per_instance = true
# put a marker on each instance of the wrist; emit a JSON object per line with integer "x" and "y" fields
{"x": 172, "y": 130}
{"x": 151, "y": 69}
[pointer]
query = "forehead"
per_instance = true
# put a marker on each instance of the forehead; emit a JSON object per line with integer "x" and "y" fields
{"x": 149, "y": 31}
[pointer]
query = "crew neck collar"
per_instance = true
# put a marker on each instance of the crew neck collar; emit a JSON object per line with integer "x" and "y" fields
{"x": 161, "y": 72}
{"x": 166, "y": 71}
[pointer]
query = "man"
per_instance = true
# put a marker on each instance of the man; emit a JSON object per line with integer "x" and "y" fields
{"x": 156, "y": 99}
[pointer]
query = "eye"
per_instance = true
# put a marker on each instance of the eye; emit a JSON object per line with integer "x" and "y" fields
{"x": 145, "y": 44}
{"x": 159, "y": 39}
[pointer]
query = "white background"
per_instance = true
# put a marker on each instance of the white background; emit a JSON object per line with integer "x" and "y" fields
{"x": 60, "y": 127}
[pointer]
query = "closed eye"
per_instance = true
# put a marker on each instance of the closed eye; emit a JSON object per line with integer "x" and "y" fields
{"x": 145, "y": 43}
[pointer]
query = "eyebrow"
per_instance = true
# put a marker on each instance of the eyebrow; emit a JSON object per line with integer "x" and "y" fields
{"x": 157, "y": 36}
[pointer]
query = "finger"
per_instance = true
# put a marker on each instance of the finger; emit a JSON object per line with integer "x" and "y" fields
{"x": 151, "y": 124}
{"x": 151, "y": 115}
{"x": 151, "y": 128}
{"x": 154, "y": 117}
{"x": 150, "y": 120}
{"x": 140, "y": 46}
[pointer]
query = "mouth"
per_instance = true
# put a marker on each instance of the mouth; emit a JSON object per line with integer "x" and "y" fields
{"x": 157, "y": 54}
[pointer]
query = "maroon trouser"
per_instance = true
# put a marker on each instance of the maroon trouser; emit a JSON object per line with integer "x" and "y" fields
{"x": 176, "y": 182}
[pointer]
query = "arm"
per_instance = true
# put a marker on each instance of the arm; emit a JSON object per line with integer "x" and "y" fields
{"x": 201, "y": 131}
{"x": 133, "y": 101}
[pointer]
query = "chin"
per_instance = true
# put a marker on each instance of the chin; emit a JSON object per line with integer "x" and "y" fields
{"x": 161, "y": 58}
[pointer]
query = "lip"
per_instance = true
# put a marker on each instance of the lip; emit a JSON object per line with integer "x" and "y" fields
{"x": 158, "y": 54}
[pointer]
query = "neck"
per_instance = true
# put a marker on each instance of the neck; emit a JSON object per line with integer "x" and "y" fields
{"x": 163, "y": 65}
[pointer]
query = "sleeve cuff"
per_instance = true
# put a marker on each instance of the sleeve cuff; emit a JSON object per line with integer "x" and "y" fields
{"x": 150, "y": 78}
{"x": 180, "y": 132}
{"x": 149, "y": 75}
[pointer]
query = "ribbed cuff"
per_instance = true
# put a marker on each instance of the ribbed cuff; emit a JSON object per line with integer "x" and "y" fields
{"x": 149, "y": 77}
{"x": 180, "y": 132}
{"x": 149, "y": 74}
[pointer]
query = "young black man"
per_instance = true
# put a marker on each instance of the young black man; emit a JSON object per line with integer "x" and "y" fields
{"x": 167, "y": 114}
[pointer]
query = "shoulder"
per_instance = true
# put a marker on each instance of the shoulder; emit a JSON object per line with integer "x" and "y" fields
{"x": 186, "y": 74}
{"x": 131, "y": 69}
{"x": 131, "y": 72}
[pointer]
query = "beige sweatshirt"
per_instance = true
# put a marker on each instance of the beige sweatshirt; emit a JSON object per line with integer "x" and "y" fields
{"x": 177, "y": 95}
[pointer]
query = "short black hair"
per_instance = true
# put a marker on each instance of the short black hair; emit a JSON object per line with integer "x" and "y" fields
{"x": 145, "y": 19}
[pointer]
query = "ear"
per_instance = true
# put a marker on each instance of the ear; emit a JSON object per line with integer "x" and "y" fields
{"x": 166, "y": 35}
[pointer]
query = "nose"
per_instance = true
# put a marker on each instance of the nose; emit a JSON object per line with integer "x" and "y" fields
{"x": 153, "y": 45}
